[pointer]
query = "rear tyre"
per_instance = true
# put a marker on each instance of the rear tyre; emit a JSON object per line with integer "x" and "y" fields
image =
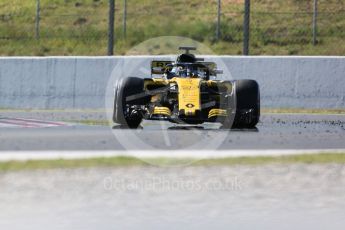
{"x": 247, "y": 104}
{"x": 129, "y": 92}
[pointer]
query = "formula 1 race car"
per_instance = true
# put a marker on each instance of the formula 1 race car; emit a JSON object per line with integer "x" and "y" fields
{"x": 184, "y": 93}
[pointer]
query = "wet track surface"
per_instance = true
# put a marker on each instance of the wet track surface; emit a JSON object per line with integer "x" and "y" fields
{"x": 275, "y": 131}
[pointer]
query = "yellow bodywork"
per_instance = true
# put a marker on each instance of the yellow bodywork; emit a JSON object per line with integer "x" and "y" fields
{"x": 189, "y": 94}
{"x": 217, "y": 113}
{"x": 162, "y": 111}
{"x": 188, "y": 97}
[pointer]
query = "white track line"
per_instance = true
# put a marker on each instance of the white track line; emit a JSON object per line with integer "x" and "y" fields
{"x": 204, "y": 154}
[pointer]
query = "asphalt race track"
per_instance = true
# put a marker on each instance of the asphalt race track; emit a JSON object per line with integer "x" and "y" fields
{"x": 46, "y": 131}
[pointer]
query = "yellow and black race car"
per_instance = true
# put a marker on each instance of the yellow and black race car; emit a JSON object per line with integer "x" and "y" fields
{"x": 184, "y": 93}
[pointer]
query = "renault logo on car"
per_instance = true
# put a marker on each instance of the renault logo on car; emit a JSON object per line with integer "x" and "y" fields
{"x": 190, "y": 106}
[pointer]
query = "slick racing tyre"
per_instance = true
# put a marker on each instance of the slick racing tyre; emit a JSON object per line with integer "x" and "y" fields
{"x": 247, "y": 104}
{"x": 129, "y": 92}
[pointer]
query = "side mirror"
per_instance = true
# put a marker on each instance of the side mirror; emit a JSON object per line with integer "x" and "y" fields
{"x": 216, "y": 71}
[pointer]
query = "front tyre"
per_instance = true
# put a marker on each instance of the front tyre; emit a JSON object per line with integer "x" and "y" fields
{"x": 247, "y": 104}
{"x": 129, "y": 93}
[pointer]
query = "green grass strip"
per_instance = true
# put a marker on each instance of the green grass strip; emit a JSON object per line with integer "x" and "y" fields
{"x": 131, "y": 161}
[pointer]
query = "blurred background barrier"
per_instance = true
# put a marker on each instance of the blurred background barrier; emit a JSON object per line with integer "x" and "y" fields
{"x": 229, "y": 27}
{"x": 81, "y": 82}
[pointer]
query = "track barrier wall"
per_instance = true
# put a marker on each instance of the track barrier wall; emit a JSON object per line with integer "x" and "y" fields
{"x": 81, "y": 82}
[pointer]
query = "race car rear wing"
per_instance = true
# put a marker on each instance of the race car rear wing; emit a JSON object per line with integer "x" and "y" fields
{"x": 212, "y": 67}
{"x": 159, "y": 67}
